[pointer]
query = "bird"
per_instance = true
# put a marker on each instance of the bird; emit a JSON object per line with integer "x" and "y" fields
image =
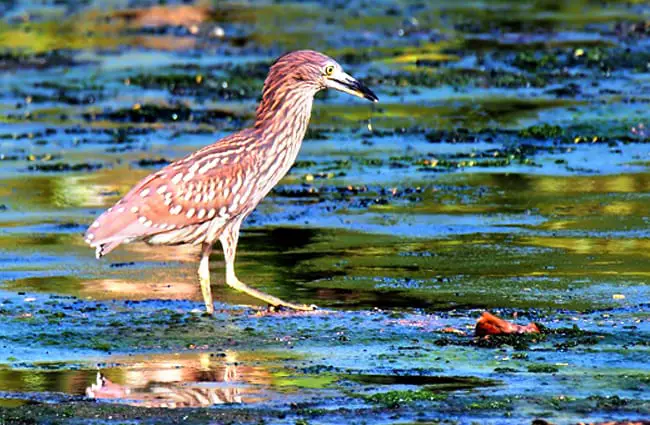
{"x": 205, "y": 196}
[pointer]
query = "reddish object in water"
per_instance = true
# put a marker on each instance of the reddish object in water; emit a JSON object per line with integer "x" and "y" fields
{"x": 489, "y": 324}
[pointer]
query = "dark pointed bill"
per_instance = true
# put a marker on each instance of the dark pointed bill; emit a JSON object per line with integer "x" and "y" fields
{"x": 359, "y": 89}
{"x": 365, "y": 91}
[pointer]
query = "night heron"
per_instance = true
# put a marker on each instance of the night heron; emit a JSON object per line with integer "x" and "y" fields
{"x": 206, "y": 196}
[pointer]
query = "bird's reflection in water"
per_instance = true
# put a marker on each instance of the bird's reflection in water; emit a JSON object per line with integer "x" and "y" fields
{"x": 180, "y": 382}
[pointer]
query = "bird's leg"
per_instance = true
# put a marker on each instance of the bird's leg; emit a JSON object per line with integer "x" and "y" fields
{"x": 204, "y": 277}
{"x": 229, "y": 240}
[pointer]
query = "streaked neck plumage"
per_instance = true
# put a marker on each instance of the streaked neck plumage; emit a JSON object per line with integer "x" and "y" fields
{"x": 285, "y": 109}
{"x": 281, "y": 123}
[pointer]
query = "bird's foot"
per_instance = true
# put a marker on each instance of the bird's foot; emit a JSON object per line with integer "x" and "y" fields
{"x": 276, "y": 302}
{"x": 291, "y": 307}
{"x": 285, "y": 311}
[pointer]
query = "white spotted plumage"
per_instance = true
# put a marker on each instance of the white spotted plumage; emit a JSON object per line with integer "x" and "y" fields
{"x": 205, "y": 196}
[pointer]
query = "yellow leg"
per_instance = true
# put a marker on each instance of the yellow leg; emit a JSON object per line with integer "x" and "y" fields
{"x": 204, "y": 277}
{"x": 229, "y": 240}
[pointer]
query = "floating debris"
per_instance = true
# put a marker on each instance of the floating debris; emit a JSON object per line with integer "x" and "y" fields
{"x": 489, "y": 324}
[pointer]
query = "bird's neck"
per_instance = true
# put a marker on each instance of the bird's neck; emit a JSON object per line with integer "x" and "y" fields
{"x": 283, "y": 115}
{"x": 281, "y": 123}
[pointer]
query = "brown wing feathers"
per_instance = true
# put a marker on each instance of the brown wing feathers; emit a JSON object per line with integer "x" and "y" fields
{"x": 201, "y": 187}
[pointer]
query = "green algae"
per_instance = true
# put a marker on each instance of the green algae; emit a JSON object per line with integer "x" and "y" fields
{"x": 544, "y": 131}
{"x": 474, "y": 114}
{"x": 597, "y": 403}
{"x": 293, "y": 382}
{"x": 13, "y": 59}
{"x": 543, "y": 368}
{"x": 64, "y": 167}
{"x": 396, "y": 399}
{"x": 505, "y": 404}
{"x": 180, "y": 331}
{"x": 594, "y": 58}
{"x": 199, "y": 85}
{"x": 71, "y": 412}
{"x": 424, "y": 77}
{"x": 466, "y": 272}
{"x": 157, "y": 113}
{"x": 516, "y": 341}
{"x": 430, "y": 383}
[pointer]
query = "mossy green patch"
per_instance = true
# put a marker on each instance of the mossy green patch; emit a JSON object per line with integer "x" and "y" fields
{"x": 544, "y": 131}
{"x": 149, "y": 113}
{"x": 543, "y": 368}
{"x": 284, "y": 379}
{"x": 424, "y": 76}
{"x": 222, "y": 87}
{"x": 396, "y": 399}
{"x": 63, "y": 167}
{"x": 491, "y": 404}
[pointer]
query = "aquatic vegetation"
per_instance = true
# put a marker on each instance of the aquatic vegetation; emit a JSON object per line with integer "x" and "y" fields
{"x": 543, "y": 368}
{"x": 145, "y": 162}
{"x": 155, "y": 113}
{"x": 395, "y": 399}
{"x": 62, "y": 166}
{"x": 199, "y": 85}
{"x": 13, "y": 60}
{"x": 544, "y": 132}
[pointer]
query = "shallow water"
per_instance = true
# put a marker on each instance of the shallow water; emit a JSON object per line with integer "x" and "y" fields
{"x": 505, "y": 169}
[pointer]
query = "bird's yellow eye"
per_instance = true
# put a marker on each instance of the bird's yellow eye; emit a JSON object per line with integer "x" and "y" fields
{"x": 329, "y": 70}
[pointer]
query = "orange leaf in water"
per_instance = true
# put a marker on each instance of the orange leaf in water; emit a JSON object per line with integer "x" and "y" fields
{"x": 489, "y": 324}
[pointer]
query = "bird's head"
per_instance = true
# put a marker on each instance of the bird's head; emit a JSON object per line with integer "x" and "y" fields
{"x": 314, "y": 71}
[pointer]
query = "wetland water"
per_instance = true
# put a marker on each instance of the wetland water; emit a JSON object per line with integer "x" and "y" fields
{"x": 506, "y": 168}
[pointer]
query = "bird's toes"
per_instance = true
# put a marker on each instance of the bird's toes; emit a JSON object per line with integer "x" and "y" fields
{"x": 290, "y": 310}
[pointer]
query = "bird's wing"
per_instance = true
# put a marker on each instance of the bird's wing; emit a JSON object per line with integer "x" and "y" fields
{"x": 206, "y": 184}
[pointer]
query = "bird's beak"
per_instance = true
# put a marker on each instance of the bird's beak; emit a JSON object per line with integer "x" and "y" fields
{"x": 347, "y": 84}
